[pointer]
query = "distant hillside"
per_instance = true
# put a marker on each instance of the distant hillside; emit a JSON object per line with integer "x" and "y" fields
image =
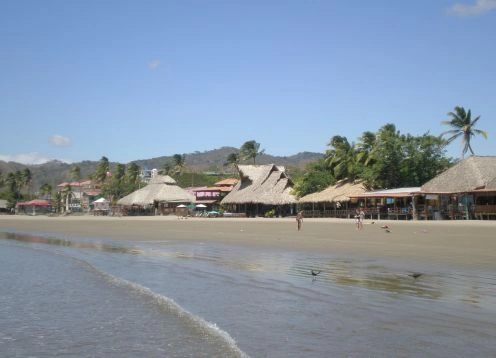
{"x": 55, "y": 172}
{"x": 214, "y": 160}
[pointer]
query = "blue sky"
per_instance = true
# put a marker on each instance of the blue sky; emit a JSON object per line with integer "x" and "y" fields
{"x": 140, "y": 79}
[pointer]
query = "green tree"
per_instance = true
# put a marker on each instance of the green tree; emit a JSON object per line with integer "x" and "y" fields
{"x": 75, "y": 173}
{"x": 102, "y": 171}
{"x": 384, "y": 160}
{"x": 46, "y": 189}
{"x": 117, "y": 184}
{"x": 250, "y": 150}
{"x": 342, "y": 159}
{"x": 462, "y": 126}
{"x": 166, "y": 169}
{"x": 424, "y": 158}
{"x": 26, "y": 179}
{"x": 12, "y": 182}
{"x": 178, "y": 163}
{"x": 57, "y": 202}
{"x": 232, "y": 160}
{"x": 132, "y": 178}
{"x": 317, "y": 178}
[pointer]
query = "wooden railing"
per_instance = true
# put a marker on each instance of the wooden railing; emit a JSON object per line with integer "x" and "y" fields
{"x": 482, "y": 212}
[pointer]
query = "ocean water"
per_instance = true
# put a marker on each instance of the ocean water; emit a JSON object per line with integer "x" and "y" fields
{"x": 83, "y": 297}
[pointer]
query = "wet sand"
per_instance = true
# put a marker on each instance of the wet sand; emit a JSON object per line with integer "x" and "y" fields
{"x": 458, "y": 244}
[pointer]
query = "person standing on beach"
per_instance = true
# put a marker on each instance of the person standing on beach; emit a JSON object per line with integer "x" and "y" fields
{"x": 361, "y": 215}
{"x": 299, "y": 219}
{"x": 357, "y": 219}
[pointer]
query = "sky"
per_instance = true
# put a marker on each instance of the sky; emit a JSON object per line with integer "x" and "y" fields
{"x": 134, "y": 80}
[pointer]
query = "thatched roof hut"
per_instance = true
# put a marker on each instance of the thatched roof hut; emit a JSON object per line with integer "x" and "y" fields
{"x": 341, "y": 191}
{"x": 261, "y": 184}
{"x": 470, "y": 175}
{"x": 162, "y": 189}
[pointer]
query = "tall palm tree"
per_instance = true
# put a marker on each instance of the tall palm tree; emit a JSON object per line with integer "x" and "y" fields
{"x": 132, "y": 177}
{"x": 27, "y": 178}
{"x": 67, "y": 195}
{"x": 102, "y": 170}
{"x": 251, "y": 150}
{"x": 462, "y": 126}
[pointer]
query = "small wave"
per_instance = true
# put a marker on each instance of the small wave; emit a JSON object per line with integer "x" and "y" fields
{"x": 204, "y": 327}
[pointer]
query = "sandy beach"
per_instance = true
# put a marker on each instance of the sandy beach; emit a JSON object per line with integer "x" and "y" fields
{"x": 469, "y": 244}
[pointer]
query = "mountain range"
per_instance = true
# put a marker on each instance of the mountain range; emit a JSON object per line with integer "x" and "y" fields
{"x": 55, "y": 172}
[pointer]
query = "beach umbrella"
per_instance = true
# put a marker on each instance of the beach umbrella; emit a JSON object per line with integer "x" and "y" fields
{"x": 201, "y": 206}
{"x": 182, "y": 206}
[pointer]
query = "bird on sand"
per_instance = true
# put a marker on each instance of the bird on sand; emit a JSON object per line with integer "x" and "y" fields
{"x": 415, "y": 274}
{"x": 314, "y": 273}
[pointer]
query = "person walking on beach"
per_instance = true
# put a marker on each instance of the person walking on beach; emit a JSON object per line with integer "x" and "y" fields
{"x": 299, "y": 219}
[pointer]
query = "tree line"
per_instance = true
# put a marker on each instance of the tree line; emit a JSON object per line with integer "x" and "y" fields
{"x": 382, "y": 159}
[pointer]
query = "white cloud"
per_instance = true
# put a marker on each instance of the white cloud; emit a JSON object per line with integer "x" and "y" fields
{"x": 478, "y": 8}
{"x": 25, "y": 158}
{"x": 153, "y": 65}
{"x": 60, "y": 141}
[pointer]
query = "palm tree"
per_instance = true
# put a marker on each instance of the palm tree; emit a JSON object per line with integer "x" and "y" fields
{"x": 46, "y": 189}
{"x": 343, "y": 159}
{"x": 66, "y": 195}
{"x": 250, "y": 150}
{"x": 179, "y": 162}
{"x": 57, "y": 201}
{"x": 232, "y": 160}
{"x": 132, "y": 177}
{"x": 102, "y": 170}
{"x": 463, "y": 126}
{"x": 27, "y": 178}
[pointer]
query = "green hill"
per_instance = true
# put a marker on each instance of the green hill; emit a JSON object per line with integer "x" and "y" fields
{"x": 212, "y": 161}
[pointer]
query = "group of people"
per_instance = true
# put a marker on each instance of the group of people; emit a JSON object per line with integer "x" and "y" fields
{"x": 359, "y": 218}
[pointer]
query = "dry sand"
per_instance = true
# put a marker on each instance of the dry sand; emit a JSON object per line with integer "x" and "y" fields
{"x": 463, "y": 244}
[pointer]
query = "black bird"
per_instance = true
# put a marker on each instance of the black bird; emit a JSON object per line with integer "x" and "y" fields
{"x": 315, "y": 273}
{"x": 415, "y": 274}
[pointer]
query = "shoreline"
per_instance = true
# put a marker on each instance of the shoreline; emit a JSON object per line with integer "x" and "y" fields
{"x": 463, "y": 244}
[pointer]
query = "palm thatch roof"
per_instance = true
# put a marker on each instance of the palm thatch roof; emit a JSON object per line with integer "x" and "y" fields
{"x": 161, "y": 188}
{"x": 469, "y": 175}
{"x": 261, "y": 184}
{"x": 341, "y": 191}
{"x": 390, "y": 193}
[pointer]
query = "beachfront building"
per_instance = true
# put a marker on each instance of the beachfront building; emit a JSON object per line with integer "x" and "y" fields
{"x": 34, "y": 207}
{"x": 209, "y": 198}
{"x": 4, "y": 209}
{"x": 335, "y": 201}
{"x": 262, "y": 190}
{"x": 393, "y": 204}
{"x": 161, "y": 196}
{"x": 467, "y": 190}
{"x": 80, "y": 195}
